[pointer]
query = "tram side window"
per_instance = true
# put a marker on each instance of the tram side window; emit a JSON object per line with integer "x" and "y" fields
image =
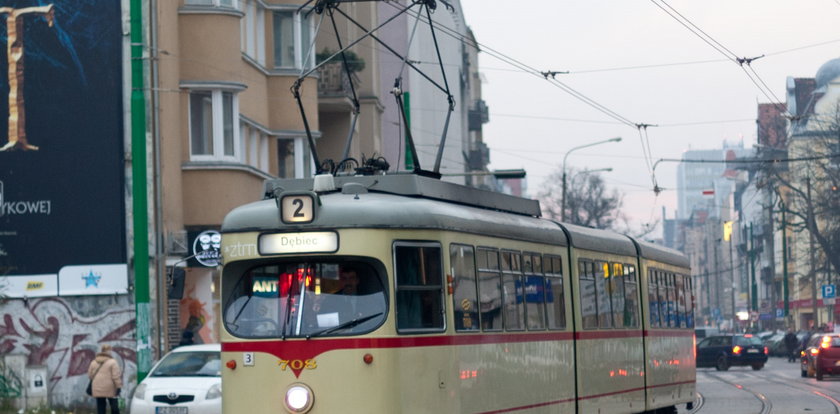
{"x": 689, "y": 302}
{"x": 663, "y": 299}
{"x": 631, "y": 298}
{"x": 419, "y": 287}
{"x": 489, "y": 289}
{"x": 588, "y": 298}
{"x": 653, "y": 299}
{"x": 680, "y": 289}
{"x": 465, "y": 295}
{"x": 616, "y": 288}
{"x": 672, "y": 300}
{"x": 554, "y": 297}
{"x": 534, "y": 291}
{"x": 602, "y": 272}
{"x": 512, "y": 291}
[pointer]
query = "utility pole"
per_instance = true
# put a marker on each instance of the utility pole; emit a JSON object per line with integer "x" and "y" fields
{"x": 811, "y": 225}
{"x": 753, "y": 284}
{"x": 717, "y": 279}
{"x": 139, "y": 188}
{"x": 732, "y": 286}
{"x": 785, "y": 293}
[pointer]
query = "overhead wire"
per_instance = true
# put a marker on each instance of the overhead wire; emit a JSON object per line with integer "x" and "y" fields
{"x": 720, "y": 48}
{"x": 525, "y": 68}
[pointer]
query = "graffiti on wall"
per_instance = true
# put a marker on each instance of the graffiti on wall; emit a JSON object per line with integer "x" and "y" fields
{"x": 10, "y": 384}
{"x": 51, "y": 334}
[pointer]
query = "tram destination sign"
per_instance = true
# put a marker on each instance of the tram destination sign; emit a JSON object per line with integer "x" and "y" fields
{"x": 309, "y": 242}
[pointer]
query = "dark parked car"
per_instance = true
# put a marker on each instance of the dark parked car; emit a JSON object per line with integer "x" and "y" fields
{"x": 821, "y": 356}
{"x": 724, "y": 351}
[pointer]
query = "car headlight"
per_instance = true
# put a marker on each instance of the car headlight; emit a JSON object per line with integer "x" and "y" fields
{"x": 214, "y": 392}
{"x": 299, "y": 398}
{"x": 140, "y": 392}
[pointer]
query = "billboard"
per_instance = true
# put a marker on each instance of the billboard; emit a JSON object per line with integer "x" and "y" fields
{"x": 62, "y": 144}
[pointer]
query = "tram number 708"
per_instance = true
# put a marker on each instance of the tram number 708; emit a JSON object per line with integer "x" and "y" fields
{"x": 297, "y": 364}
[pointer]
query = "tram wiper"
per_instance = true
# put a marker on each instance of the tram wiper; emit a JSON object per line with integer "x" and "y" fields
{"x": 345, "y": 325}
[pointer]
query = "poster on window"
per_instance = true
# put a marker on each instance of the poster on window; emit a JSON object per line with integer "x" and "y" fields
{"x": 61, "y": 139}
{"x": 198, "y": 308}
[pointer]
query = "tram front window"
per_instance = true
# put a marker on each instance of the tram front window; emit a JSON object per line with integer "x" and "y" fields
{"x": 293, "y": 300}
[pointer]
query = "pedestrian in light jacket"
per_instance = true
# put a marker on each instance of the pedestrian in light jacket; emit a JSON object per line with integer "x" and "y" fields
{"x": 106, "y": 380}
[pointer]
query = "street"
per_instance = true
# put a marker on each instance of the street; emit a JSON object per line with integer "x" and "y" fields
{"x": 778, "y": 388}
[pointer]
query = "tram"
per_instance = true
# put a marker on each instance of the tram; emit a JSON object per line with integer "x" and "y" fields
{"x": 402, "y": 293}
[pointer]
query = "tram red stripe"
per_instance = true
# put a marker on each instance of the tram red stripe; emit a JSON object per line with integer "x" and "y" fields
{"x": 588, "y": 397}
{"x": 306, "y": 349}
{"x": 528, "y": 407}
{"x": 671, "y": 384}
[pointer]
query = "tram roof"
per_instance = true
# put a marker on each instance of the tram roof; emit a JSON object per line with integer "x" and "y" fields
{"x": 599, "y": 240}
{"x": 662, "y": 254}
{"x": 365, "y": 205}
{"x": 419, "y": 186}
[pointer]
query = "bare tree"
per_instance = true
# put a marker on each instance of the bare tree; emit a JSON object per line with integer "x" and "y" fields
{"x": 588, "y": 201}
{"x": 807, "y": 180}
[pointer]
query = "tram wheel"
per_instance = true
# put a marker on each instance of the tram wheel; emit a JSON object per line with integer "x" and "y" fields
{"x": 722, "y": 363}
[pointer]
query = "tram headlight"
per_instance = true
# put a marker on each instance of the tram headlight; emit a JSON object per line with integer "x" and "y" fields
{"x": 299, "y": 398}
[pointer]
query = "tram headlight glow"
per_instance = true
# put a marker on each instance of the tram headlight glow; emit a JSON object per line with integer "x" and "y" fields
{"x": 299, "y": 398}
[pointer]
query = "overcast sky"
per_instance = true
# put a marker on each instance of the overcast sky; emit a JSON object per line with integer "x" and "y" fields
{"x": 632, "y": 58}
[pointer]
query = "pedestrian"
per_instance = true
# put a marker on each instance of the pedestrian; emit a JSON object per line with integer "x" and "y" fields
{"x": 792, "y": 345}
{"x": 106, "y": 380}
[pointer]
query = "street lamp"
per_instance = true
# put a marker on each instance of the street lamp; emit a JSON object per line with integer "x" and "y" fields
{"x": 563, "y": 201}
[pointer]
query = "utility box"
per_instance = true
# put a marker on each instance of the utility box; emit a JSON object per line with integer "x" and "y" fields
{"x": 37, "y": 389}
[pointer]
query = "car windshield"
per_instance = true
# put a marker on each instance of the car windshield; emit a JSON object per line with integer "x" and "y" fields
{"x": 306, "y": 299}
{"x": 747, "y": 340}
{"x": 189, "y": 364}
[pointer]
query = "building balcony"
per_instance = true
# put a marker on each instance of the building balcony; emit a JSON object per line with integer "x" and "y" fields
{"x": 334, "y": 91}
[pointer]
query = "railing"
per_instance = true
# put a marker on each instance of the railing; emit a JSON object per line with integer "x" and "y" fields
{"x": 334, "y": 82}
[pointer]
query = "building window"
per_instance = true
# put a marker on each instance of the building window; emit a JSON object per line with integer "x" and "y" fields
{"x": 215, "y": 3}
{"x": 293, "y": 47}
{"x": 254, "y": 151}
{"x": 212, "y": 132}
{"x": 253, "y": 31}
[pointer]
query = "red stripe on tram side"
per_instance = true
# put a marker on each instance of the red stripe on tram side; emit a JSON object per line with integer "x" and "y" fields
{"x": 672, "y": 384}
{"x": 607, "y": 394}
{"x": 310, "y": 348}
{"x": 528, "y": 407}
{"x": 588, "y": 397}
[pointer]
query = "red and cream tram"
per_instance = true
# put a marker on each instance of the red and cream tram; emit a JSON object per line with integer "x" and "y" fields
{"x": 402, "y": 293}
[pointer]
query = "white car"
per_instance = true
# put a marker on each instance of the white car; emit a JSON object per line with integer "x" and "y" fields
{"x": 186, "y": 381}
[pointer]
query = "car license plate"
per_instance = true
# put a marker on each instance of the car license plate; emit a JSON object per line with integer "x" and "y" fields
{"x": 752, "y": 351}
{"x": 171, "y": 410}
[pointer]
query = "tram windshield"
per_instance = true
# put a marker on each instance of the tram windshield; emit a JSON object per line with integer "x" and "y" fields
{"x": 306, "y": 299}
